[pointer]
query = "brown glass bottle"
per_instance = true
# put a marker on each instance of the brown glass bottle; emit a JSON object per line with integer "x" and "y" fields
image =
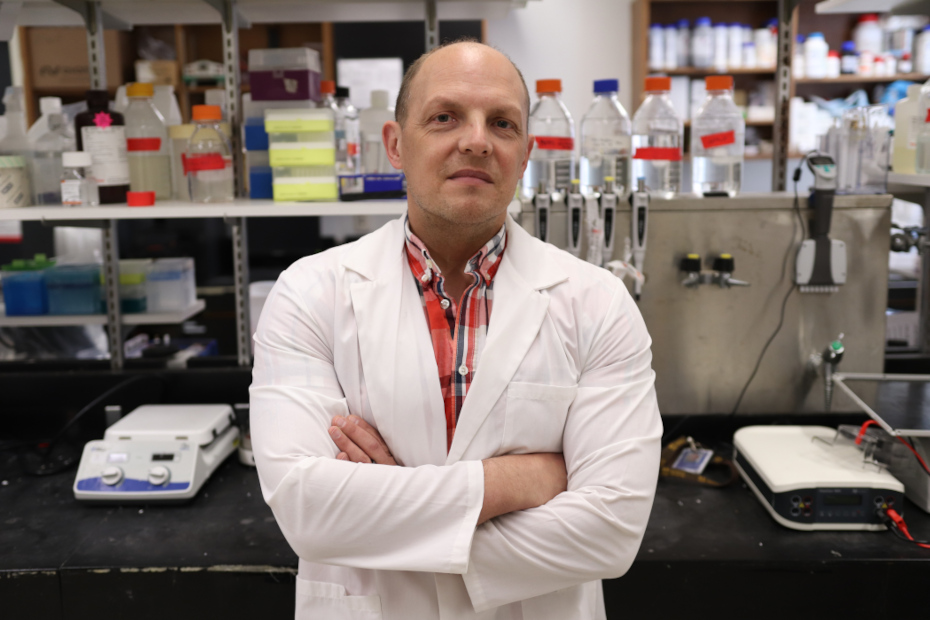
{"x": 102, "y": 134}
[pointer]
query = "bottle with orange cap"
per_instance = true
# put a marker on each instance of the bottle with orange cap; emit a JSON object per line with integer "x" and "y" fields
{"x": 147, "y": 143}
{"x": 718, "y": 135}
{"x": 658, "y": 133}
{"x": 208, "y": 159}
{"x": 552, "y": 161}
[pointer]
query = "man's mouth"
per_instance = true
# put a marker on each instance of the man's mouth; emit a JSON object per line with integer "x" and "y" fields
{"x": 472, "y": 175}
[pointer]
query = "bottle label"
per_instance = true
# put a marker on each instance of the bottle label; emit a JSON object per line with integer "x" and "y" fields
{"x": 616, "y": 144}
{"x": 134, "y": 145}
{"x": 207, "y": 161}
{"x": 913, "y": 130}
{"x": 714, "y": 140}
{"x": 71, "y": 193}
{"x": 352, "y": 149}
{"x": 665, "y": 153}
{"x": 552, "y": 143}
{"x": 927, "y": 119}
{"x": 107, "y": 147}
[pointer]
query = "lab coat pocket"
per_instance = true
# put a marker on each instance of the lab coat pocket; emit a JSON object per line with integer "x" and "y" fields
{"x": 535, "y": 417}
{"x": 317, "y": 600}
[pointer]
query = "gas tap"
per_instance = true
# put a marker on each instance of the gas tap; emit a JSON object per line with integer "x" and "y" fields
{"x": 831, "y": 357}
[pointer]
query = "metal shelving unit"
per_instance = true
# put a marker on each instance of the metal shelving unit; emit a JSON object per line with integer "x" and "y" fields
{"x": 143, "y": 318}
{"x": 96, "y": 15}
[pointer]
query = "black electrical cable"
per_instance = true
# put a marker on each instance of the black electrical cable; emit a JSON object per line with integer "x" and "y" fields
{"x": 894, "y": 529}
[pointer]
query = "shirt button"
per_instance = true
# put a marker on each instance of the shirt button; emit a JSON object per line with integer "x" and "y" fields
{"x": 426, "y": 275}
{"x": 463, "y": 370}
{"x": 444, "y": 304}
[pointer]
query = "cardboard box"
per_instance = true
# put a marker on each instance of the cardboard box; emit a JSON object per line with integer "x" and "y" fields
{"x": 158, "y": 72}
{"x": 57, "y": 58}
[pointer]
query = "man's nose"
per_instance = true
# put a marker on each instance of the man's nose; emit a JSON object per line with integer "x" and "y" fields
{"x": 476, "y": 139}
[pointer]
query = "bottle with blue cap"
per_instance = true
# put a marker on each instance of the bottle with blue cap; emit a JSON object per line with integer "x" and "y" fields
{"x": 702, "y": 44}
{"x": 605, "y": 141}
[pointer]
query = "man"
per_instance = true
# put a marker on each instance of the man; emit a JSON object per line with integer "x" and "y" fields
{"x": 450, "y": 418}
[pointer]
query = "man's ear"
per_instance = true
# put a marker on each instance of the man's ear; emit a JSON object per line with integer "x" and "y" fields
{"x": 390, "y": 134}
{"x": 526, "y": 156}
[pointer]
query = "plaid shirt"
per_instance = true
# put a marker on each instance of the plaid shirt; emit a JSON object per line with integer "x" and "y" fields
{"x": 457, "y": 333}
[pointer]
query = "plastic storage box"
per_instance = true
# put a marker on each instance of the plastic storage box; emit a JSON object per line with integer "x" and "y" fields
{"x": 23, "y": 282}
{"x": 284, "y": 74}
{"x": 298, "y": 137}
{"x": 171, "y": 285}
{"x": 73, "y": 289}
{"x": 133, "y": 285}
{"x": 260, "y": 177}
{"x": 305, "y": 183}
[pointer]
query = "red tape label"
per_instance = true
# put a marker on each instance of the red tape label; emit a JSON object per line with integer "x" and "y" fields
{"x": 143, "y": 144}
{"x": 713, "y": 140}
{"x": 208, "y": 161}
{"x": 927, "y": 120}
{"x": 550, "y": 143}
{"x": 668, "y": 153}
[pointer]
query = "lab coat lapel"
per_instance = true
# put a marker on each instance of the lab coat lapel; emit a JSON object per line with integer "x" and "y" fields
{"x": 517, "y": 313}
{"x": 400, "y": 370}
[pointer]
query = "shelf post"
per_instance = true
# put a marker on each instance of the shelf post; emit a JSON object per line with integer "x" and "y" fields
{"x": 432, "y": 26}
{"x": 111, "y": 290}
{"x": 782, "y": 95}
{"x": 96, "y": 52}
{"x": 241, "y": 284}
{"x": 230, "y": 17}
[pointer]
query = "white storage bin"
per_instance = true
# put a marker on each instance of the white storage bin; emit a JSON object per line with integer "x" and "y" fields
{"x": 171, "y": 285}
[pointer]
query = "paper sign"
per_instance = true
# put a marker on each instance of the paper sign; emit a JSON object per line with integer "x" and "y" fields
{"x": 713, "y": 140}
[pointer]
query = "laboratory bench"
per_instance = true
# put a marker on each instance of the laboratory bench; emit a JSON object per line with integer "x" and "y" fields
{"x": 707, "y": 552}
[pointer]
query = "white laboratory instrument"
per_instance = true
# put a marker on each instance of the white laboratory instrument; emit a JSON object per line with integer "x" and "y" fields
{"x": 157, "y": 453}
{"x": 809, "y": 482}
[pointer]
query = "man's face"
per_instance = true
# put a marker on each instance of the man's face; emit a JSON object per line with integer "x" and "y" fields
{"x": 464, "y": 145}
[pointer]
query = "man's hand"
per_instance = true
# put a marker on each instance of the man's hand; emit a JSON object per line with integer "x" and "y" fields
{"x": 521, "y": 481}
{"x": 359, "y": 442}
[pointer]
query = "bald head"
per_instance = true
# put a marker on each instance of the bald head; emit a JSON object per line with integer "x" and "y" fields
{"x": 409, "y": 84}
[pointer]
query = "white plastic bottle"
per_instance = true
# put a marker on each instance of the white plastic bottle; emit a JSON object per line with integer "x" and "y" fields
{"x": 147, "y": 143}
{"x": 671, "y": 47}
{"x": 718, "y": 136}
{"x": 605, "y": 141}
{"x": 371, "y": 120}
{"x": 352, "y": 163}
{"x": 683, "y": 37}
{"x": 46, "y": 161}
{"x": 47, "y": 106}
{"x": 721, "y": 40}
{"x": 907, "y": 124}
{"x": 923, "y": 51}
{"x": 798, "y": 69}
{"x": 14, "y": 152}
{"x": 78, "y": 187}
{"x": 208, "y": 160}
{"x": 735, "y": 46}
{"x": 868, "y": 35}
{"x": 552, "y": 160}
{"x": 702, "y": 44}
{"x": 657, "y": 140}
{"x": 833, "y": 64}
{"x": 815, "y": 56}
{"x": 656, "y": 47}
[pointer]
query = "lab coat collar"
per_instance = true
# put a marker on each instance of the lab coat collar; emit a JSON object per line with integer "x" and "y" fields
{"x": 396, "y": 351}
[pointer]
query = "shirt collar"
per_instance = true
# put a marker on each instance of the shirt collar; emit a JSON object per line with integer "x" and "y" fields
{"x": 485, "y": 262}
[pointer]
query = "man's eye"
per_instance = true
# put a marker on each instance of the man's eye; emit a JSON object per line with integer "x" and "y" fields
{"x": 443, "y": 118}
{"x": 502, "y": 124}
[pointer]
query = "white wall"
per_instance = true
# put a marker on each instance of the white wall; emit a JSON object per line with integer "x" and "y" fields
{"x": 577, "y": 41}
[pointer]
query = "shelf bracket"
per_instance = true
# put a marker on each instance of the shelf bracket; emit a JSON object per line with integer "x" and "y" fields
{"x": 432, "y": 26}
{"x": 229, "y": 13}
{"x": 782, "y": 95}
{"x": 96, "y": 20}
{"x": 240, "y": 245}
{"x": 111, "y": 291}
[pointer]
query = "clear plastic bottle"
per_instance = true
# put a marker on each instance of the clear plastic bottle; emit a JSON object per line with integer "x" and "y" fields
{"x": 657, "y": 140}
{"x": 907, "y": 123}
{"x": 371, "y": 121}
{"x": 353, "y": 161}
{"x": 102, "y": 133}
{"x": 208, "y": 159}
{"x": 552, "y": 161}
{"x": 344, "y": 114}
{"x": 702, "y": 44}
{"x": 14, "y": 152}
{"x": 718, "y": 136}
{"x": 147, "y": 143}
{"x": 605, "y": 140}
{"x": 78, "y": 187}
{"x": 46, "y": 161}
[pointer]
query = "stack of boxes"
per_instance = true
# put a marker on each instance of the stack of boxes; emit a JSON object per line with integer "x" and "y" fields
{"x": 302, "y": 154}
{"x": 279, "y": 79}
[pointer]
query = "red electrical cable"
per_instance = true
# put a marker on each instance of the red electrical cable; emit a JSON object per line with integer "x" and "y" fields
{"x": 868, "y": 423}
{"x": 898, "y": 522}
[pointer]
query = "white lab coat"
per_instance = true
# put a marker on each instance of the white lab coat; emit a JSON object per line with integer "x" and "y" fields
{"x": 565, "y": 368}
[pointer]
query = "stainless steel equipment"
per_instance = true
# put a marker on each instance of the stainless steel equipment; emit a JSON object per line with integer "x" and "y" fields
{"x": 707, "y": 339}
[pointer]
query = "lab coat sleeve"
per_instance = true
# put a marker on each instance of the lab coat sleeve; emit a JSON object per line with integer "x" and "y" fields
{"x": 611, "y": 444}
{"x": 331, "y": 511}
